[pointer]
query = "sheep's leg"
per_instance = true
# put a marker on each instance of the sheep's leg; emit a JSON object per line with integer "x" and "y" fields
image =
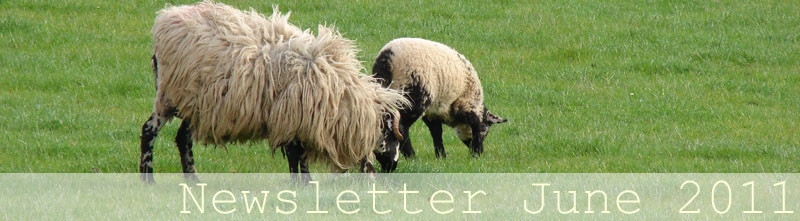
{"x": 304, "y": 173}
{"x": 477, "y": 141}
{"x": 184, "y": 143}
{"x": 294, "y": 159}
{"x": 420, "y": 100}
{"x": 406, "y": 120}
{"x": 294, "y": 154}
{"x": 435, "y": 127}
{"x": 149, "y": 133}
{"x": 405, "y": 146}
{"x": 368, "y": 168}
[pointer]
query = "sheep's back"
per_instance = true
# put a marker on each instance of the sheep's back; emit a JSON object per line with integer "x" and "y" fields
{"x": 445, "y": 74}
{"x": 214, "y": 68}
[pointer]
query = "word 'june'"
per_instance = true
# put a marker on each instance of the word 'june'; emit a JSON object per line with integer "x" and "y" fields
{"x": 224, "y": 201}
{"x": 627, "y": 201}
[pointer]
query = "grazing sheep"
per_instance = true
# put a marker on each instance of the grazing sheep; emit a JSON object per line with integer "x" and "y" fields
{"x": 236, "y": 76}
{"x": 442, "y": 87}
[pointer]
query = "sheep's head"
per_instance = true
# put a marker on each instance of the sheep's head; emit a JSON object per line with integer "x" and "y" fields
{"x": 389, "y": 151}
{"x": 464, "y": 131}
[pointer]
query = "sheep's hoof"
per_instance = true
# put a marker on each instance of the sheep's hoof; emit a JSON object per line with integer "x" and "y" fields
{"x": 191, "y": 177}
{"x": 476, "y": 154}
{"x": 440, "y": 154}
{"x": 303, "y": 179}
{"x": 147, "y": 178}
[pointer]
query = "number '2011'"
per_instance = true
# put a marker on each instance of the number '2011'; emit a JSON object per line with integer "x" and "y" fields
{"x": 725, "y": 207}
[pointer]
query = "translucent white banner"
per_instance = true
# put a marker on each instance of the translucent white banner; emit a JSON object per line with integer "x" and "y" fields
{"x": 416, "y": 196}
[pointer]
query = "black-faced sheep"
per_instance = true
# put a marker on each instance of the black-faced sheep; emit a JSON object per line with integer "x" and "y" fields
{"x": 235, "y": 76}
{"x": 442, "y": 86}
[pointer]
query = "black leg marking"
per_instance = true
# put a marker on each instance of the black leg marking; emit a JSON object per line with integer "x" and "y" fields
{"x": 407, "y": 118}
{"x": 471, "y": 119}
{"x": 184, "y": 143}
{"x": 149, "y": 133}
{"x": 405, "y": 145}
{"x": 294, "y": 154}
{"x": 304, "y": 172}
{"x": 420, "y": 100}
{"x": 435, "y": 127}
{"x": 477, "y": 140}
{"x": 155, "y": 71}
{"x": 368, "y": 168}
{"x": 466, "y": 142}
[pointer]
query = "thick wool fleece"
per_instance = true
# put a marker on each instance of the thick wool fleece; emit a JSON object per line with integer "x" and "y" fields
{"x": 447, "y": 76}
{"x": 240, "y": 76}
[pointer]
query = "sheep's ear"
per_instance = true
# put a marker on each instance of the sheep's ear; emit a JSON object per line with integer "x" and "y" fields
{"x": 494, "y": 119}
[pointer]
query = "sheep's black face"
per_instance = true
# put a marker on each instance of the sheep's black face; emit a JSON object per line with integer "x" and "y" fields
{"x": 389, "y": 151}
{"x": 464, "y": 131}
{"x": 489, "y": 119}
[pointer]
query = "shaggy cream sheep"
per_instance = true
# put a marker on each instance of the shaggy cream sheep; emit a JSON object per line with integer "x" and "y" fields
{"x": 442, "y": 86}
{"x": 235, "y": 76}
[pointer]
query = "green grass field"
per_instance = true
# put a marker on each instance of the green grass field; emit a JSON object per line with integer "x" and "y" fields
{"x": 656, "y": 86}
